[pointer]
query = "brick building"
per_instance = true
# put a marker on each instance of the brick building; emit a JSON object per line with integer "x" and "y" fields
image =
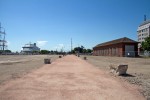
{"x": 122, "y": 47}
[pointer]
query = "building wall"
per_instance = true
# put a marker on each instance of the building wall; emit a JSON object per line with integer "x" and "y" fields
{"x": 143, "y": 31}
{"x": 111, "y": 50}
{"x": 29, "y": 48}
{"x": 114, "y": 50}
{"x": 149, "y": 31}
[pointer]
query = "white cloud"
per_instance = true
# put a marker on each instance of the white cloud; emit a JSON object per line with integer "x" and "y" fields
{"x": 59, "y": 47}
{"x": 8, "y": 43}
{"x": 41, "y": 43}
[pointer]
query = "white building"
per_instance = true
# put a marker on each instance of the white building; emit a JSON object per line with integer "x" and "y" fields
{"x": 30, "y": 48}
{"x": 143, "y": 31}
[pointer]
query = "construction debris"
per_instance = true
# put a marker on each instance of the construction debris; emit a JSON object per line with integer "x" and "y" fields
{"x": 118, "y": 70}
{"x": 47, "y": 61}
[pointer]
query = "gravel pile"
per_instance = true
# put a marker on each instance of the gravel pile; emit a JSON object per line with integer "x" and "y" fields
{"x": 140, "y": 80}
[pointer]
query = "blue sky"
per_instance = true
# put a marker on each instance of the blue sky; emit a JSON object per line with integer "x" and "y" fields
{"x": 52, "y": 23}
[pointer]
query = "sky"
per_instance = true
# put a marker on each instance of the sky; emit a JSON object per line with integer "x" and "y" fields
{"x": 52, "y": 23}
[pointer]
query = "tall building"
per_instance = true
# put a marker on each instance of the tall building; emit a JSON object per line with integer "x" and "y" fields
{"x": 143, "y": 31}
{"x": 30, "y": 48}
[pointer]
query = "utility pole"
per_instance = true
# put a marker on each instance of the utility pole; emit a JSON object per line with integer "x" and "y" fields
{"x": 71, "y": 44}
{"x": 4, "y": 42}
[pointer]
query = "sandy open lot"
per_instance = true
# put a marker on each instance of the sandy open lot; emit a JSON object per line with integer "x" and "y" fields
{"x": 14, "y": 66}
{"x": 68, "y": 78}
{"x": 138, "y": 70}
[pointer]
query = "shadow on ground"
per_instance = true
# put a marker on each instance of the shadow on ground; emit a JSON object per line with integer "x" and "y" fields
{"x": 128, "y": 75}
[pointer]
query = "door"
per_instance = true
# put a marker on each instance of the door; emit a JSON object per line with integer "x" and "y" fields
{"x": 129, "y": 51}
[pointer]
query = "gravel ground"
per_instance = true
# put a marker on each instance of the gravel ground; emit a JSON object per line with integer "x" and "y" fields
{"x": 14, "y": 66}
{"x": 138, "y": 72}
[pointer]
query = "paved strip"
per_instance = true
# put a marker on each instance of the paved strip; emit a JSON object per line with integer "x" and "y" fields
{"x": 68, "y": 78}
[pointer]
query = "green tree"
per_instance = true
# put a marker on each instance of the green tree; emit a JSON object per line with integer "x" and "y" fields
{"x": 78, "y": 49}
{"x": 5, "y": 51}
{"x": 81, "y": 50}
{"x": 84, "y": 51}
{"x": 89, "y": 51}
{"x": 73, "y": 51}
{"x": 44, "y": 52}
{"x": 146, "y": 44}
{"x": 8, "y": 51}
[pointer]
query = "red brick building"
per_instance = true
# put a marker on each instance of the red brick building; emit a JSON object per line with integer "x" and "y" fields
{"x": 122, "y": 47}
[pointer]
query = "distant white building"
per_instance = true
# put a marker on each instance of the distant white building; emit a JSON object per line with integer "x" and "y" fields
{"x": 143, "y": 31}
{"x": 30, "y": 48}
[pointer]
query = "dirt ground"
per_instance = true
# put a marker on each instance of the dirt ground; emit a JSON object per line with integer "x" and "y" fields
{"x": 14, "y": 66}
{"x": 138, "y": 70}
{"x": 68, "y": 78}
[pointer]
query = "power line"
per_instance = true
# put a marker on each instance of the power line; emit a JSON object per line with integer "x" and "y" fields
{"x": 2, "y": 39}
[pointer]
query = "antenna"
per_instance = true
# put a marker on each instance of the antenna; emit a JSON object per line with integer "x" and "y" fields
{"x": 144, "y": 17}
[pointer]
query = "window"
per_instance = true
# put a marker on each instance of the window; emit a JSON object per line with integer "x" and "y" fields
{"x": 146, "y": 34}
{"x": 139, "y": 31}
{"x": 146, "y": 29}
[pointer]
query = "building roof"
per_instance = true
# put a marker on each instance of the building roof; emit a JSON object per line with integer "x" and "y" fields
{"x": 145, "y": 22}
{"x": 120, "y": 40}
{"x": 30, "y": 45}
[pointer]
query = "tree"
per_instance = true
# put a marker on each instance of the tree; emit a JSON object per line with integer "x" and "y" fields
{"x": 73, "y": 51}
{"x": 81, "y": 50}
{"x": 78, "y": 49}
{"x": 44, "y": 52}
{"x": 84, "y": 51}
{"x": 146, "y": 44}
{"x": 7, "y": 51}
{"x": 89, "y": 51}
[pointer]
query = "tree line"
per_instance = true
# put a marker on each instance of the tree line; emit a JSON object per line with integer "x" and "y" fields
{"x": 81, "y": 50}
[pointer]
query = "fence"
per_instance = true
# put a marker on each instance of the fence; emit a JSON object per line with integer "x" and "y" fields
{"x": 122, "y": 53}
{"x": 144, "y": 53}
